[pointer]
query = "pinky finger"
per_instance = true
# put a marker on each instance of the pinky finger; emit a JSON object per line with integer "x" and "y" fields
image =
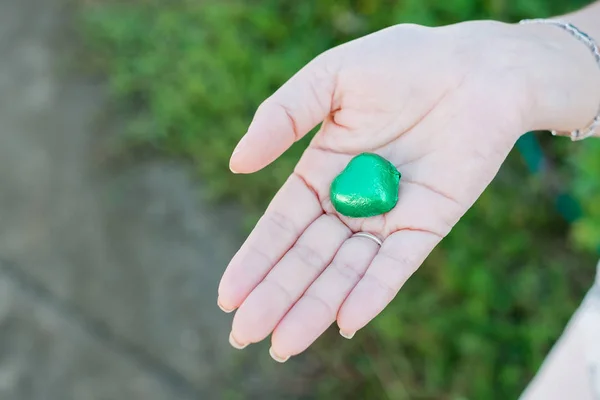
{"x": 400, "y": 256}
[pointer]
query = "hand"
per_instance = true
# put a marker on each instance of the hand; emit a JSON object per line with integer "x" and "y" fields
{"x": 445, "y": 105}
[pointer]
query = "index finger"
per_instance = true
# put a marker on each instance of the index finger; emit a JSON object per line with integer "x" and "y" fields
{"x": 291, "y": 211}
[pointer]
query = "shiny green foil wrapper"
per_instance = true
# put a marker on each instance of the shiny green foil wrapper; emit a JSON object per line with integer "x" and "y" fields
{"x": 368, "y": 186}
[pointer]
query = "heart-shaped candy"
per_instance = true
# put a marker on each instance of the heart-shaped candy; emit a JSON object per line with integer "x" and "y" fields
{"x": 368, "y": 186}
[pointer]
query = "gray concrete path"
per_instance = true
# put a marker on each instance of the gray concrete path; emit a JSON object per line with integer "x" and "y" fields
{"x": 108, "y": 275}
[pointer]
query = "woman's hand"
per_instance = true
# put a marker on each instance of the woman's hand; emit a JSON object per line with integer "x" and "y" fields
{"x": 445, "y": 105}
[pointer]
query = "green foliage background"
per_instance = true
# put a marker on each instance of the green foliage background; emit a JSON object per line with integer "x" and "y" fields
{"x": 478, "y": 318}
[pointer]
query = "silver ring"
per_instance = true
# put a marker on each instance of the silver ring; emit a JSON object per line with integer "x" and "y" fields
{"x": 368, "y": 236}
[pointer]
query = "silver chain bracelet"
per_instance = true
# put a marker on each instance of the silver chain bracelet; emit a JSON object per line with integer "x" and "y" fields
{"x": 578, "y": 134}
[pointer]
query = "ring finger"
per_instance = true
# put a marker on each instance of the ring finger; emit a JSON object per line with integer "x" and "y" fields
{"x": 318, "y": 307}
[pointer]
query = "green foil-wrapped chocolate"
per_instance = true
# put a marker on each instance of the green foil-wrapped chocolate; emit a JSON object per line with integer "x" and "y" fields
{"x": 368, "y": 186}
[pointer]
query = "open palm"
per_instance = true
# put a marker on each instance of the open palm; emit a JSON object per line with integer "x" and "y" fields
{"x": 432, "y": 102}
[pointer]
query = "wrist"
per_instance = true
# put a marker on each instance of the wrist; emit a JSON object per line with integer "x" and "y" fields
{"x": 562, "y": 79}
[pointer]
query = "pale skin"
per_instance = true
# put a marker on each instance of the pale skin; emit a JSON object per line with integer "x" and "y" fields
{"x": 445, "y": 105}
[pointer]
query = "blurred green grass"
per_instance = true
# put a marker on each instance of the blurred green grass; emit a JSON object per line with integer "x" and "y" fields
{"x": 477, "y": 319}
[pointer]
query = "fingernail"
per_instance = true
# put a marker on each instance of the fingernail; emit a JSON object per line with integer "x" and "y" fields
{"x": 240, "y": 146}
{"x": 233, "y": 170}
{"x": 235, "y": 344}
{"x": 347, "y": 335}
{"x": 276, "y": 357}
{"x": 225, "y": 309}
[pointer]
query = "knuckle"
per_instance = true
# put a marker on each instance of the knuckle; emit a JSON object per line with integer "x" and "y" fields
{"x": 387, "y": 288}
{"x": 347, "y": 270}
{"x": 278, "y": 224}
{"x": 258, "y": 252}
{"x": 327, "y": 308}
{"x": 403, "y": 263}
{"x": 278, "y": 286}
{"x": 308, "y": 255}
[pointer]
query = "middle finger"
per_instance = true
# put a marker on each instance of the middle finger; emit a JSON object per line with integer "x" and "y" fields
{"x": 288, "y": 280}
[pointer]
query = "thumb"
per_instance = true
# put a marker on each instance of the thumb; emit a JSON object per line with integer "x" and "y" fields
{"x": 284, "y": 118}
